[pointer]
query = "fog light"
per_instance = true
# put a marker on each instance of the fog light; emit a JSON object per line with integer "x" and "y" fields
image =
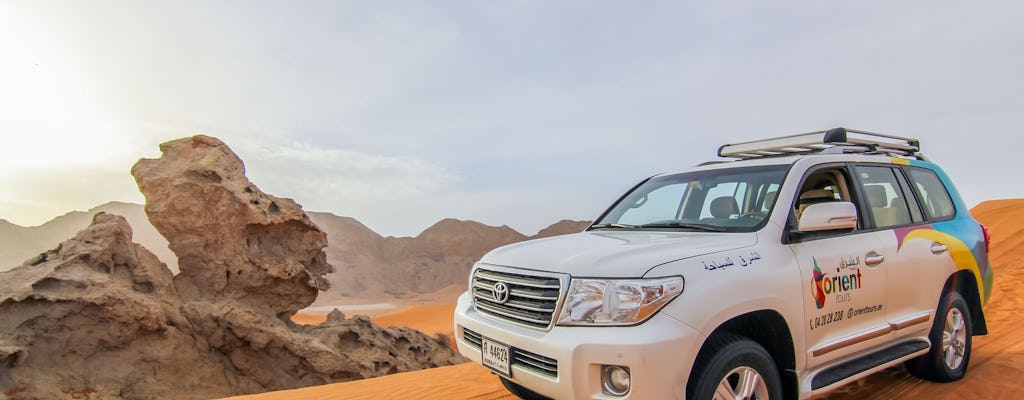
{"x": 615, "y": 380}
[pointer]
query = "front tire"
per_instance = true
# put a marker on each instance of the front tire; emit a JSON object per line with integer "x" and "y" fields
{"x": 521, "y": 392}
{"x": 951, "y": 333}
{"x": 733, "y": 367}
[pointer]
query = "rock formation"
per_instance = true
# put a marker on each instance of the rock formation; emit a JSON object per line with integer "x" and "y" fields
{"x": 232, "y": 240}
{"x": 19, "y": 243}
{"x": 99, "y": 314}
{"x": 102, "y": 315}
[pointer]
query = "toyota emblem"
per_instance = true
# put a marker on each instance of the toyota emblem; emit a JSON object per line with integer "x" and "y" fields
{"x": 500, "y": 292}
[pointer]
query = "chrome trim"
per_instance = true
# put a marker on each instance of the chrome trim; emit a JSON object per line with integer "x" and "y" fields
{"x": 510, "y": 315}
{"x": 484, "y": 276}
{"x": 910, "y": 321}
{"x": 851, "y": 340}
{"x": 520, "y": 282}
{"x": 521, "y": 358}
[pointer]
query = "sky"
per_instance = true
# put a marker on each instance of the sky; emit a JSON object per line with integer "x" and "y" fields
{"x": 519, "y": 113}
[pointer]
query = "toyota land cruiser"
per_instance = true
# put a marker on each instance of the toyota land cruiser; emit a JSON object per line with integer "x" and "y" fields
{"x": 790, "y": 267}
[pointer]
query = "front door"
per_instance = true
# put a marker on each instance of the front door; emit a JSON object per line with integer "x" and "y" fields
{"x": 844, "y": 295}
{"x": 844, "y": 286}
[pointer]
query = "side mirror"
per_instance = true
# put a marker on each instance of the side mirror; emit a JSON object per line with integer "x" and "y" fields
{"x": 828, "y": 216}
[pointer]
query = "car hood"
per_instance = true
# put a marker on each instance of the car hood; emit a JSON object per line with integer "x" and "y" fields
{"x": 613, "y": 254}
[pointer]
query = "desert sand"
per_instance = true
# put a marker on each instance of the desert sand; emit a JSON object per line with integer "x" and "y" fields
{"x": 996, "y": 369}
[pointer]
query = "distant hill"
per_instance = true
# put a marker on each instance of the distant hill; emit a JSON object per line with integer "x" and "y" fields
{"x": 18, "y": 243}
{"x": 368, "y": 265}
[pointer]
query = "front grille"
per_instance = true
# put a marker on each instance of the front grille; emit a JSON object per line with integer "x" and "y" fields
{"x": 537, "y": 363}
{"x": 473, "y": 338}
{"x": 533, "y": 362}
{"x": 532, "y": 297}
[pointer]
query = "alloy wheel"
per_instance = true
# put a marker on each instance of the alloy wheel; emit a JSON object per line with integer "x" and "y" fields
{"x": 742, "y": 383}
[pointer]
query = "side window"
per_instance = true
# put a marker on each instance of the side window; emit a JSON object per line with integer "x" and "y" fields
{"x": 659, "y": 205}
{"x": 934, "y": 197}
{"x": 888, "y": 203}
{"x": 915, "y": 209}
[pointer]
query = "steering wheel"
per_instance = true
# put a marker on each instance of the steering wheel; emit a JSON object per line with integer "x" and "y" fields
{"x": 753, "y": 214}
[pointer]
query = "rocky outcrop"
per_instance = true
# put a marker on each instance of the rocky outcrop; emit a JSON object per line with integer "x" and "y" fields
{"x": 19, "y": 243}
{"x": 232, "y": 240}
{"x": 99, "y": 314}
{"x": 102, "y": 315}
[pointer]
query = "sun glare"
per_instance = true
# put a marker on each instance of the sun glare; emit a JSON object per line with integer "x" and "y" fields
{"x": 46, "y": 118}
{"x": 57, "y": 145}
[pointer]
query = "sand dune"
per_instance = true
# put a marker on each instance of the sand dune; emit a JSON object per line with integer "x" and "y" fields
{"x": 465, "y": 381}
{"x": 997, "y": 362}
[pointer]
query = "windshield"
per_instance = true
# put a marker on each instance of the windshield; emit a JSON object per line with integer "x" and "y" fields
{"x": 721, "y": 200}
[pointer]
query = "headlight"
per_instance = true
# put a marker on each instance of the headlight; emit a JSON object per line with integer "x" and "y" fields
{"x": 604, "y": 302}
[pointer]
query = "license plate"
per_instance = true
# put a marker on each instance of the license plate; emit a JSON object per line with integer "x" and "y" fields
{"x": 496, "y": 356}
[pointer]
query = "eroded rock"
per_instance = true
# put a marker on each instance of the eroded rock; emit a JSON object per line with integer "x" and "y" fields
{"x": 232, "y": 240}
{"x": 98, "y": 313}
{"x": 102, "y": 317}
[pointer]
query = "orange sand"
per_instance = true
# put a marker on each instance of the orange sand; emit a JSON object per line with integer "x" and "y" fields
{"x": 464, "y": 381}
{"x": 996, "y": 369}
{"x": 430, "y": 319}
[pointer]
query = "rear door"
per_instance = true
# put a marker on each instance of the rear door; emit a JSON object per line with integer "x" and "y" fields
{"x": 917, "y": 255}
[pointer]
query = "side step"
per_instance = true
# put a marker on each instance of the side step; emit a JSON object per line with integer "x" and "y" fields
{"x": 858, "y": 365}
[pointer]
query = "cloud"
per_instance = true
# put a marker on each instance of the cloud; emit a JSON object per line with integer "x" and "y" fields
{"x": 334, "y": 179}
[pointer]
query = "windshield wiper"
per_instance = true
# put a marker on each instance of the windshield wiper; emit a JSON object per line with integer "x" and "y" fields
{"x": 677, "y": 224}
{"x": 621, "y": 226}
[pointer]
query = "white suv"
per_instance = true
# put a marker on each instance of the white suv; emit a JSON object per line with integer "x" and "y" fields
{"x": 794, "y": 266}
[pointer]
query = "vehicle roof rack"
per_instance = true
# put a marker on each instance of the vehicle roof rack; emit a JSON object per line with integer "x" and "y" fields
{"x": 835, "y": 140}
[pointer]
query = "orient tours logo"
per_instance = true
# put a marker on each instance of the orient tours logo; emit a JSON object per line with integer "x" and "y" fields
{"x": 845, "y": 280}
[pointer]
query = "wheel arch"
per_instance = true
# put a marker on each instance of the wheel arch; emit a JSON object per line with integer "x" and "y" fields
{"x": 964, "y": 282}
{"x": 769, "y": 329}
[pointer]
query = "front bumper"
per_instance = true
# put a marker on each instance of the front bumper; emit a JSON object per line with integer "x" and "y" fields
{"x": 658, "y": 352}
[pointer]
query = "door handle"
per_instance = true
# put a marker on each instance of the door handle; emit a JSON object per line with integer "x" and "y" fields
{"x": 873, "y": 258}
{"x": 938, "y": 248}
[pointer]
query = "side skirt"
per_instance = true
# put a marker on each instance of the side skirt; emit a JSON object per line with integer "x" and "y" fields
{"x": 865, "y": 365}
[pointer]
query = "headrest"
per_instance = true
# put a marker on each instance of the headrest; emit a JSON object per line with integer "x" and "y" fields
{"x": 816, "y": 196}
{"x": 724, "y": 207}
{"x": 769, "y": 198}
{"x": 876, "y": 196}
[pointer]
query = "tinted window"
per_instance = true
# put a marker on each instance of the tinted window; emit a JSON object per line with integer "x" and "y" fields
{"x": 934, "y": 198}
{"x": 882, "y": 190}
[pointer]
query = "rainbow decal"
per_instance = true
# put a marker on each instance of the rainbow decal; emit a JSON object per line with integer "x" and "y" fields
{"x": 962, "y": 255}
{"x": 964, "y": 241}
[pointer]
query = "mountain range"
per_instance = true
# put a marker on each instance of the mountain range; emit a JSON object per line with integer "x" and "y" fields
{"x": 368, "y": 266}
